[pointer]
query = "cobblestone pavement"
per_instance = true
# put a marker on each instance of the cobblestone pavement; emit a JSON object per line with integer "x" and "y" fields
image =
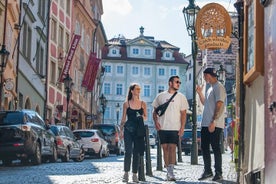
{"x": 107, "y": 170}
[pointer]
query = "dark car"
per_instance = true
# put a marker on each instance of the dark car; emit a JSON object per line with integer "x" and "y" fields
{"x": 111, "y": 134}
{"x": 67, "y": 145}
{"x": 186, "y": 141}
{"x": 25, "y": 136}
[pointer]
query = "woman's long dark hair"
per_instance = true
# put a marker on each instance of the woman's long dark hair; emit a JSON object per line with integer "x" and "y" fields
{"x": 131, "y": 87}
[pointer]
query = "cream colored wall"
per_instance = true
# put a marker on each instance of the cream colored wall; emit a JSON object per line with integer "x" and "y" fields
{"x": 254, "y": 127}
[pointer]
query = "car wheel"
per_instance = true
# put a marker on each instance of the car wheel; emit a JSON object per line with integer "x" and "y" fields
{"x": 37, "y": 158}
{"x": 7, "y": 162}
{"x": 66, "y": 156}
{"x": 81, "y": 156}
{"x": 100, "y": 154}
{"x": 54, "y": 157}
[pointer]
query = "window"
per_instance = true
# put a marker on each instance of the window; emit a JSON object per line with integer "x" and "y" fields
{"x": 68, "y": 4}
{"x": 114, "y": 51}
{"x": 167, "y": 55}
{"x": 173, "y": 71}
{"x": 39, "y": 58}
{"x": 107, "y": 69}
{"x": 119, "y": 89}
{"x": 120, "y": 70}
{"x": 147, "y": 52}
{"x": 53, "y": 30}
{"x": 41, "y": 9}
{"x": 146, "y": 90}
{"x": 135, "y": 51}
{"x": 27, "y": 41}
{"x": 190, "y": 76}
{"x": 161, "y": 89}
{"x": 53, "y": 73}
{"x": 60, "y": 36}
{"x": 107, "y": 113}
{"x": 135, "y": 70}
{"x": 107, "y": 89}
{"x": 161, "y": 72}
{"x": 147, "y": 71}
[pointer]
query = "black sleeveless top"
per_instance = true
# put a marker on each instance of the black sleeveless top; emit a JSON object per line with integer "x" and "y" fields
{"x": 132, "y": 114}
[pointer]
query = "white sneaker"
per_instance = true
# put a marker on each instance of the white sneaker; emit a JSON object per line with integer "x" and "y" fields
{"x": 170, "y": 174}
{"x": 125, "y": 177}
{"x": 135, "y": 178}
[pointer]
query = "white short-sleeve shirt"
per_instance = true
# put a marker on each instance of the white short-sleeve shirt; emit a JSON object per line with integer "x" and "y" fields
{"x": 171, "y": 120}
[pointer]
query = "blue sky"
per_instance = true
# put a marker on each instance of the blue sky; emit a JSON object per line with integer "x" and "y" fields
{"x": 162, "y": 19}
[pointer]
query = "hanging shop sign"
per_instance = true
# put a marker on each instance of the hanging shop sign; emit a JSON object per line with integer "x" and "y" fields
{"x": 213, "y": 27}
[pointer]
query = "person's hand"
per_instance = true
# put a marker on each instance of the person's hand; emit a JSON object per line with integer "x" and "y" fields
{"x": 199, "y": 88}
{"x": 181, "y": 132}
{"x": 212, "y": 127}
{"x": 157, "y": 126}
{"x": 121, "y": 134}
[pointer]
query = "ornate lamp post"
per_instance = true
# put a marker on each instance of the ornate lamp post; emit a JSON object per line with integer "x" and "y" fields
{"x": 222, "y": 78}
{"x": 4, "y": 54}
{"x": 190, "y": 13}
{"x": 221, "y": 74}
{"x": 68, "y": 85}
{"x": 117, "y": 112}
{"x": 103, "y": 102}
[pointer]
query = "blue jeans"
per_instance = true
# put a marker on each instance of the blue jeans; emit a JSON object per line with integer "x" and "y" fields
{"x": 214, "y": 138}
{"x": 131, "y": 145}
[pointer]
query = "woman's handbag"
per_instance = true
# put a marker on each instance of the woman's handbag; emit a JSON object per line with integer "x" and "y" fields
{"x": 160, "y": 110}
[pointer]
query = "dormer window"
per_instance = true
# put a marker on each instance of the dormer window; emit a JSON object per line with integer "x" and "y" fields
{"x": 167, "y": 55}
{"x": 114, "y": 52}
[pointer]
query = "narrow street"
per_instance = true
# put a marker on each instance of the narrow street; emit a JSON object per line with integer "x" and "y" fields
{"x": 106, "y": 170}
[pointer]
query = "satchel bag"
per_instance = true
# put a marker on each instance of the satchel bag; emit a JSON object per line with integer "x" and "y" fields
{"x": 160, "y": 110}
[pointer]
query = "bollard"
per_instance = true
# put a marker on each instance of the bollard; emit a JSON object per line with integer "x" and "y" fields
{"x": 159, "y": 155}
{"x": 141, "y": 171}
{"x": 179, "y": 151}
{"x": 148, "y": 159}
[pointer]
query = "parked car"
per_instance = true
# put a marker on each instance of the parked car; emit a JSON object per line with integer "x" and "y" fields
{"x": 111, "y": 133}
{"x": 67, "y": 145}
{"x": 25, "y": 136}
{"x": 152, "y": 140}
{"x": 93, "y": 142}
{"x": 186, "y": 141}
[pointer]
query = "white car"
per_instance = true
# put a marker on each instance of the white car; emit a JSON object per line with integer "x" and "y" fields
{"x": 152, "y": 140}
{"x": 93, "y": 142}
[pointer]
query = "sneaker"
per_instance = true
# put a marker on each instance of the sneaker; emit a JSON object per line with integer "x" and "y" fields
{"x": 217, "y": 177}
{"x": 170, "y": 174}
{"x": 205, "y": 175}
{"x": 125, "y": 177}
{"x": 135, "y": 178}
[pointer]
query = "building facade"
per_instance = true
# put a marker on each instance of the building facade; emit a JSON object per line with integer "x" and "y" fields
{"x": 141, "y": 60}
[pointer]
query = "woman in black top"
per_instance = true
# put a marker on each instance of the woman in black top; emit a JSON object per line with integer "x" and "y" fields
{"x": 135, "y": 112}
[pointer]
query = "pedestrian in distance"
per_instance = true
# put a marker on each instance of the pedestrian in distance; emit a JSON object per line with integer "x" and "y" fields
{"x": 134, "y": 112}
{"x": 212, "y": 123}
{"x": 171, "y": 124}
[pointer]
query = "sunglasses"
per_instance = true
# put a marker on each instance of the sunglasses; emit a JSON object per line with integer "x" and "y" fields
{"x": 177, "y": 82}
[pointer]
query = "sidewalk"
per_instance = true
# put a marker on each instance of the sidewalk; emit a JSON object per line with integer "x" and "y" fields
{"x": 189, "y": 174}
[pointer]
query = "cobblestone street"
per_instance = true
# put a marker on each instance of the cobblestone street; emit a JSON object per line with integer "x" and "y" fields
{"x": 107, "y": 170}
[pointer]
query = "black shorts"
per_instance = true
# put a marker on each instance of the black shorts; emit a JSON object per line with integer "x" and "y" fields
{"x": 168, "y": 136}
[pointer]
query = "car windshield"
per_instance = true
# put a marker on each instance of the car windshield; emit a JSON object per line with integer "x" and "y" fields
{"x": 84, "y": 134}
{"x": 106, "y": 130}
{"x": 11, "y": 118}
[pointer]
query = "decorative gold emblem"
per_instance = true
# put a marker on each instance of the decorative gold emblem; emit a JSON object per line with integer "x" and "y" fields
{"x": 213, "y": 27}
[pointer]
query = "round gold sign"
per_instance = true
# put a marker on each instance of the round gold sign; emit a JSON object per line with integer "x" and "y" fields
{"x": 213, "y": 27}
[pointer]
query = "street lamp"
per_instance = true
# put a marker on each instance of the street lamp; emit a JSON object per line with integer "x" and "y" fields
{"x": 4, "y": 55}
{"x": 103, "y": 102}
{"x": 68, "y": 85}
{"x": 190, "y": 13}
{"x": 117, "y": 112}
{"x": 221, "y": 73}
